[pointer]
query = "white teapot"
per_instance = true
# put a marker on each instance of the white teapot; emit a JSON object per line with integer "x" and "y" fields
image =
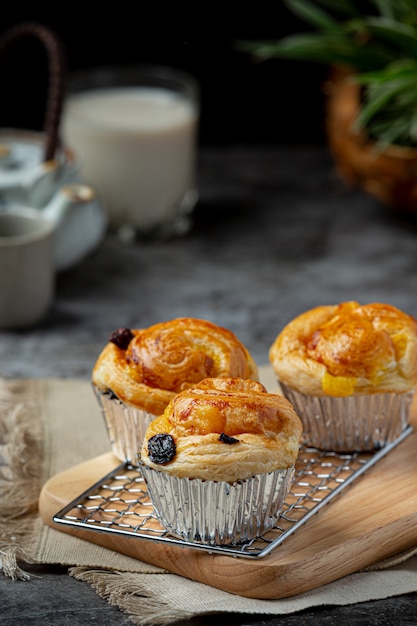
{"x": 54, "y": 189}
{"x": 37, "y": 174}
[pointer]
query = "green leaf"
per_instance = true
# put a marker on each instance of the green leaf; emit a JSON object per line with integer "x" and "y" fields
{"x": 386, "y": 8}
{"x": 400, "y": 10}
{"x": 404, "y": 68}
{"x": 343, "y": 7}
{"x": 388, "y": 106}
{"x": 378, "y": 39}
{"x": 328, "y": 49}
{"x": 373, "y": 106}
{"x": 312, "y": 14}
{"x": 413, "y": 125}
{"x": 403, "y": 36}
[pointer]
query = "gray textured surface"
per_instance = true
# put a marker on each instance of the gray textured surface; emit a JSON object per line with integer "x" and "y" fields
{"x": 276, "y": 232}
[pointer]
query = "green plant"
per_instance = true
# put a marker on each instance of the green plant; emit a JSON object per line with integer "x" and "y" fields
{"x": 377, "y": 41}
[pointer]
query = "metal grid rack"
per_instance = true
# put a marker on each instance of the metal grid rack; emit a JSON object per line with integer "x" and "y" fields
{"x": 119, "y": 502}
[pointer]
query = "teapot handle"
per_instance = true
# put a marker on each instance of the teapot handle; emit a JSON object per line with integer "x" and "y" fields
{"x": 57, "y": 75}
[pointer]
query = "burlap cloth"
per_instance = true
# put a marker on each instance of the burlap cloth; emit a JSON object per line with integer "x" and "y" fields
{"x": 47, "y": 426}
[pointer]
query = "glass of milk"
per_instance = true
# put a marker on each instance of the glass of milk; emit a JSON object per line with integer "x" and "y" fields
{"x": 133, "y": 132}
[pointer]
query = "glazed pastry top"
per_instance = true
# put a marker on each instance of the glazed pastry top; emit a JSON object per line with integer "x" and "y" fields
{"x": 340, "y": 350}
{"x": 146, "y": 367}
{"x": 224, "y": 429}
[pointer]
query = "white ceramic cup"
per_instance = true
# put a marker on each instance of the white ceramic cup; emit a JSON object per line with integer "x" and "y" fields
{"x": 27, "y": 268}
{"x": 133, "y": 132}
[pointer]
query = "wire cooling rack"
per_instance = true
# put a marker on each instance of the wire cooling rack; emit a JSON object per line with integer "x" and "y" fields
{"x": 119, "y": 502}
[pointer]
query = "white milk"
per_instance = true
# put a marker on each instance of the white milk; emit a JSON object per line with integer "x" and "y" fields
{"x": 136, "y": 146}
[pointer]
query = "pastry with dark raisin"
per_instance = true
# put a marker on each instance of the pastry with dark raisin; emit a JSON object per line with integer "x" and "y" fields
{"x": 219, "y": 461}
{"x": 139, "y": 371}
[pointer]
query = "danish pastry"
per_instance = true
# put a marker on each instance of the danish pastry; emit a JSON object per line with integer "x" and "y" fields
{"x": 226, "y": 429}
{"x": 219, "y": 462}
{"x": 348, "y": 348}
{"x": 350, "y": 371}
{"x": 140, "y": 370}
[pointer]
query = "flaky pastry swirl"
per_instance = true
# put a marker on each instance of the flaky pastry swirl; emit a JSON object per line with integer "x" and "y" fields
{"x": 345, "y": 349}
{"x": 151, "y": 365}
{"x": 226, "y": 429}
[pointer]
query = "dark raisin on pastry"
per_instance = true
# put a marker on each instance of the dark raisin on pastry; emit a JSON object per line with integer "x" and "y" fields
{"x": 122, "y": 337}
{"x": 161, "y": 448}
{"x": 227, "y": 439}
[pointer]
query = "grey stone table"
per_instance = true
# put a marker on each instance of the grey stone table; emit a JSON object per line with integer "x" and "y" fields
{"x": 276, "y": 232}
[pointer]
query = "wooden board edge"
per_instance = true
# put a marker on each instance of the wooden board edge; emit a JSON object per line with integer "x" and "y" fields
{"x": 265, "y": 578}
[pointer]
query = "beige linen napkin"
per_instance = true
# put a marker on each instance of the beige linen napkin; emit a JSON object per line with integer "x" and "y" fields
{"x": 47, "y": 426}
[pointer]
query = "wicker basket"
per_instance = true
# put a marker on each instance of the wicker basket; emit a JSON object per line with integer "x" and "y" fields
{"x": 389, "y": 175}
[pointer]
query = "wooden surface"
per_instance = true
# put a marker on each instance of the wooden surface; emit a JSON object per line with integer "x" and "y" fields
{"x": 374, "y": 518}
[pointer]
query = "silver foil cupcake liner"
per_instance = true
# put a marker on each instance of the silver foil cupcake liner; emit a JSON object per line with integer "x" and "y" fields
{"x": 217, "y": 513}
{"x": 352, "y": 423}
{"x": 126, "y": 426}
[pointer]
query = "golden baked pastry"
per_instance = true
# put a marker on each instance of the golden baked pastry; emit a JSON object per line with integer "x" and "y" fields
{"x": 223, "y": 429}
{"x": 345, "y": 349}
{"x": 145, "y": 368}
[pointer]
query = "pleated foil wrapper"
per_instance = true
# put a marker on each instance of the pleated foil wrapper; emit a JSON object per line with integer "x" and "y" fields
{"x": 126, "y": 426}
{"x": 352, "y": 423}
{"x": 217, "y": 513}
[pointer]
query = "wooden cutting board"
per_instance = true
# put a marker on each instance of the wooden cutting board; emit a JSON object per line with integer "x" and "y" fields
{"x": 372, "y": 519}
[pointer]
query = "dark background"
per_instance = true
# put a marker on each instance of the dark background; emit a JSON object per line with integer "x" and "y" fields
{"x": 242, "y": 101}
